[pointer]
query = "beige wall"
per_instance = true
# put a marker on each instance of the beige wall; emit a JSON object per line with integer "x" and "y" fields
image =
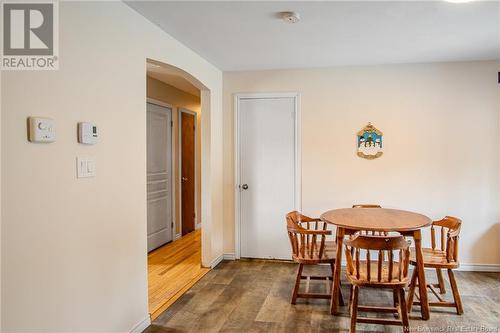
{"x": 1, "y": 212}
{"x": 179, "y": 99}
{"x": 171, "y": 95}
{"x": 74, "y": 250}
{"x": 441, "y": 142}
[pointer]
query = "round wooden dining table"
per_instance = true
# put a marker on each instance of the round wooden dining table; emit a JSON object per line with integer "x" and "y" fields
{"x": 352, "y": 220}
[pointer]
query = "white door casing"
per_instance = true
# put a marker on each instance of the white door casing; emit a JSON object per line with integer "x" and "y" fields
{"x": 159, "y": 175}
{"x": 267, "y": 138}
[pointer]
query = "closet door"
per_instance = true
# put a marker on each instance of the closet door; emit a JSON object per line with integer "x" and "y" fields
{"x": 159, "y": 175}
{"x": 267, "y": 175}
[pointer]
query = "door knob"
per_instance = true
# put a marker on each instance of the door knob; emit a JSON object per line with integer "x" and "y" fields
{"x": 244, "y": 186}
{"x": 184, "y": 179}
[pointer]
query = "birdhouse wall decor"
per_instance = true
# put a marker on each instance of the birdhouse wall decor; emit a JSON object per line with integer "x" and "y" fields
{"x": 369, "y": 142}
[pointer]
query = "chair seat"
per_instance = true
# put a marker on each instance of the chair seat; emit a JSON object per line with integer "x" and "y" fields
{"x": 373, "y": 282}
{"x": 433, "y": 259}
{"x": 329, "y": 254}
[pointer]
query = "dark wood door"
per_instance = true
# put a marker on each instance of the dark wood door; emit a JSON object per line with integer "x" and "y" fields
{"x": 187, "y": 172}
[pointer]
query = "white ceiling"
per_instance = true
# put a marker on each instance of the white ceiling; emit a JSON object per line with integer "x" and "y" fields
{"x": 172, "y": 77}
{"x": 248, "y": 35}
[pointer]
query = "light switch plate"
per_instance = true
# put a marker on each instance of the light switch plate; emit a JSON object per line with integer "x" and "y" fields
{"x": 41, "y": 129}
{"x": 85, "y": 167}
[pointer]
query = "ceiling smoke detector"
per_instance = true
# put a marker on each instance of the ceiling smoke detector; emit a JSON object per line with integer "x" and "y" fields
{"x": 290, "y": 17}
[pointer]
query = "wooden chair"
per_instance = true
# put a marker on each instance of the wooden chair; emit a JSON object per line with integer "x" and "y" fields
{"x": 366, "y": 206}
{"x": 378, "y": 273}
{"x": 379, "y": 233}
{"x": 444, "y": 257}
{"x": 310, "y": 247}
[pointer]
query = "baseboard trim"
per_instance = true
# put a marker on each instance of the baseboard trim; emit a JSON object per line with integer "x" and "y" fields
{"x": 142, "y": 325}
{"x": 229, "y": 256}
{"x": 479, "y": 267}
{"x": 463, "y": 267}
{"x": 177, "y": 236}
{"x": 217, "y": 261}
{"x": 468, "y": 267}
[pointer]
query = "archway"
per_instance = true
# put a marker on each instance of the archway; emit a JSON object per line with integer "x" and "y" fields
{"x": 172, "y": 266}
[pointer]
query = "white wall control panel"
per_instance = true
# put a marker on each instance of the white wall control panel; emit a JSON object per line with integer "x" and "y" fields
{"x": 41, "y": 129}
{"x": 87, "y": 133}
{"x": 85, "y": 167}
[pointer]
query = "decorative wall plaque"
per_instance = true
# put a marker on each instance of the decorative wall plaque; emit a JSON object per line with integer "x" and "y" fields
{"x": 369, "y": 142}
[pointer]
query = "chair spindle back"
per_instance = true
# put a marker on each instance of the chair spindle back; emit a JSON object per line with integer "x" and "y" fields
{"x": 366, "y": 206}
{"x": 449, "y": 235}
{"x": 307, "y": 236}
{"x": 378, "y": 270}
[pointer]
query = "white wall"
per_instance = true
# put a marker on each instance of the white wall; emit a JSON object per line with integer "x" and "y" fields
{"x": 441, "y": 142}
{"x": 1, "y": 212}
{"x": 74, "y": 250}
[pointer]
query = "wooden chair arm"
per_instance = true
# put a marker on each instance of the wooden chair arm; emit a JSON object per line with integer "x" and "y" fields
{"x": 311, "y": 232}
{"x": 310, "y": 220}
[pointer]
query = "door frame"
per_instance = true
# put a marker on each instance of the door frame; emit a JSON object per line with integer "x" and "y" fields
{"x": 172, "y": 183}
{"x": 298, "y": 153}
{"x": 179, "y": 126}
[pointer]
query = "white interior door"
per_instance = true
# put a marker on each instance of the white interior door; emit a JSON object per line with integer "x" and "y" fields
{"x": 267, "y": 175}
{"x": 159, "y": 175}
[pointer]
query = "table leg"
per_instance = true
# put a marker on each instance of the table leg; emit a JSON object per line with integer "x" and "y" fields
{"x": 334, "y": 301}
{"x": 422, "y": 284}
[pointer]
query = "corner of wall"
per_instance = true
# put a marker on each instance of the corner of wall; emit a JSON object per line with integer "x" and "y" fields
{"x": 1, "y": 201}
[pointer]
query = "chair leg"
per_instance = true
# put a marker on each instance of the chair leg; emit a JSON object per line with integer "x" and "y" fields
{"x": 439, "y": 274}
{"x": 354, "y": 309}
{"x": 351, "y": 293}
{"x": 456, "y": 294}
{"x": 402, "y": 309}
{"x": 297, "y": 284}
{"x": 411, "y": 289}
{"x": 341, "y": 299}
{"x": 395, "y": 300}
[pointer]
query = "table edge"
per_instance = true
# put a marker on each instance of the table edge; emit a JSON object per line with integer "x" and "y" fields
{"x": 429, "y": 222}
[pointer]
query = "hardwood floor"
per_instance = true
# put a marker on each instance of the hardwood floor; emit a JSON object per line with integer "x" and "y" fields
{"x": 173, "y": 269}
{"x": 254, "y": 296}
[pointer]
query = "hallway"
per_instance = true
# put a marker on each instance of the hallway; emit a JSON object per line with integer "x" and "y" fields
{"x": 172, "y": 270}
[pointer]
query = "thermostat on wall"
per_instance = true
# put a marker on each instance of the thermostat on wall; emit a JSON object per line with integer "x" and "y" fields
{"x": 87, "y": 133}
{"x": 41, "y": 129}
